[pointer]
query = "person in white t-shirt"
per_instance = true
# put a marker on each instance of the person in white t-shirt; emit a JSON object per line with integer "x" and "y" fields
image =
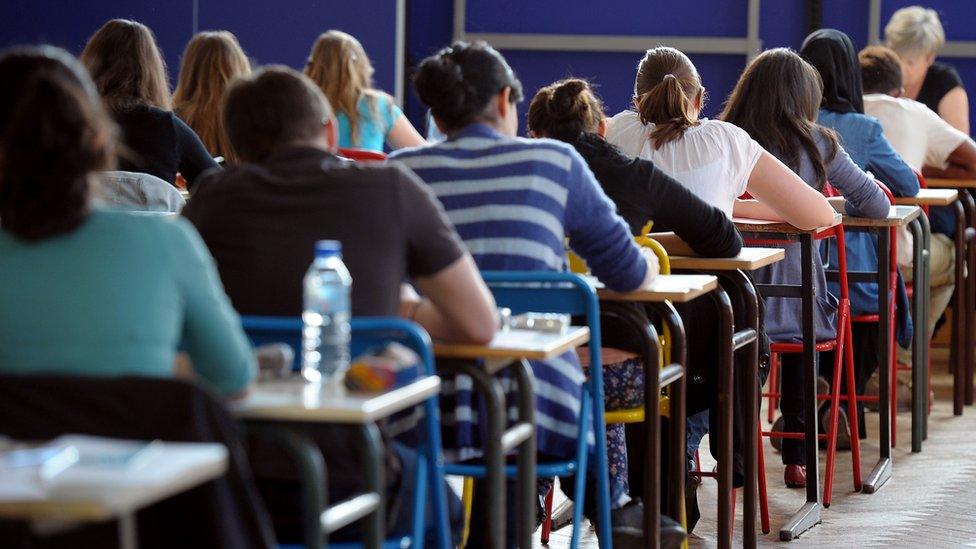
{"x": 715, "y": 160}
{"x": 930, "y": 145}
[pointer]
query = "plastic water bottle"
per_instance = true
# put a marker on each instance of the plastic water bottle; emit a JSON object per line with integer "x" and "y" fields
{"x": 325, "y": 336}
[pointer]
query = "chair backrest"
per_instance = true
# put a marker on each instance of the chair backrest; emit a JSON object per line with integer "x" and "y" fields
{"x": 227, "y": 512}
{"x": 361, "y": 155}
{"x": 366, "y": 332}
{"x": 138, "y": 192}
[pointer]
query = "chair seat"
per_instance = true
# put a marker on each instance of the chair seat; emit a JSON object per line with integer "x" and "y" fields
{"x": 548, "y": 469}
{"x": 825, "y": 345}
{"x": 865, "y": 318}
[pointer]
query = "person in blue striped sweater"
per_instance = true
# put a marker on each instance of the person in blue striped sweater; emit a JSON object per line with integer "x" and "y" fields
{"x": 514, "y": 202}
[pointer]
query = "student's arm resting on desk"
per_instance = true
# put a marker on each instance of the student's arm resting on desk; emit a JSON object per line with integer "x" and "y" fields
{"x": 888, "y": 166}
{"x": 401, "y": 134}
{"x": 212, "y": 333}
{"x": 194, "y": 157}
{"x": 962, "y": 163}
{"x": 782, "y": 192}
{"x": 598, "y": 235}
{"x": 863, "y": 197}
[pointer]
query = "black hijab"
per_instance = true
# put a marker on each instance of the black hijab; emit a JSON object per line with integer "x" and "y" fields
{"x": 832, "y": 53}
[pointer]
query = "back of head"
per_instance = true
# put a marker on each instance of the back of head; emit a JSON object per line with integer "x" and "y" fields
{"x": 273, "y": 108}
{"x": 880, "y": 70}
{"x": 340, "y": 67}
{"x": 915, "y": 32}
{"x": 776, "y": 102}
{"x": 127, "y": 66}
{"x": 459, "y": 82}
{"x": 211, "y": 61}
{"x": 665, "y": 92}
{"x": 832, "y": 53}
{"x": 564, "y": 110}
{"x": 53, "y": 134}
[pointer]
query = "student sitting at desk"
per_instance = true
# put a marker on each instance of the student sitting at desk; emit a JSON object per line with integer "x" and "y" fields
{"x": 128, "y": 69}
{"x": 211, "y": 61}
{"x": 90, "y": 291}
{"x": 514, "y": 201}
{"x": 776, "y": 101}
{"x": 261, "y": 220}
{"x": 929, "y": 144}
{"x": 368, "y": 118}
{"x": 832, "y": 53}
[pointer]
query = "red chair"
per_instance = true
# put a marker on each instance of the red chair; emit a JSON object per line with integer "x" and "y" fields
{"x": 844, "y": 361}
{"x": 362, "y": 155}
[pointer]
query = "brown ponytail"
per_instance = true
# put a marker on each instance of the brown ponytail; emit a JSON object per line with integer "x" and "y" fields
{"x": 53, "y": 135}
{"x": 665, "y": 92}
{"x": 564, "y": 110}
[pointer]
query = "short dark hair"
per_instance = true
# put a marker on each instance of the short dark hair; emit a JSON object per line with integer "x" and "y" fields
{"x": 880, "y": 69}
{"x": 273, "y": 107}
{"x": 458, "y": 82}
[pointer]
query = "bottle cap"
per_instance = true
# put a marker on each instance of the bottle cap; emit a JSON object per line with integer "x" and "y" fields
{"x": 328, "y": 248}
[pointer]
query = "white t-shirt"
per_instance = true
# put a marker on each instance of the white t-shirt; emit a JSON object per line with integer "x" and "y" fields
{"x": 712, "y": 160}
{"x": 917, "y": 133}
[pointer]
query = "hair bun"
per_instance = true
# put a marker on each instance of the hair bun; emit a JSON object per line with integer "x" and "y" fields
{"x": 566, "y": 101}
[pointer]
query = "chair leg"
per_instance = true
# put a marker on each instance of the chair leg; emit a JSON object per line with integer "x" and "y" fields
{"x": 763, "y": 496}
{"x": 832, "y": 427}
{"x": 852, "y": 410}
{"x": 547, "y": 517}
{"x": 467, "y": 498}
{"x": 773, "y": 387}
{"x": 893, "y": 363}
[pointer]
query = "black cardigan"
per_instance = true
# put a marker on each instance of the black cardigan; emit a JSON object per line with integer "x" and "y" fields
{"x": 157, "y": 142}
{"x": 644, "y": 193}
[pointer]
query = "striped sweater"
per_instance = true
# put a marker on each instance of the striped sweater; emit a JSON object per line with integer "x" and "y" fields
{"x": 513, "y": 201}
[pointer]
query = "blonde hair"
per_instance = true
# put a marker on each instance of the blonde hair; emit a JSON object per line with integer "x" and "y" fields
{"x": 211, "y": 61}
{"x": 340, "y": 68}
{"x": 665, "y": 92}
{"x": 915, "y": 32}
{"x": 127, "y": 67}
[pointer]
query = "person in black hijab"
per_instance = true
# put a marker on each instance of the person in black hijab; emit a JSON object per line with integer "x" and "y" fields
{"x": 834, "y": 56}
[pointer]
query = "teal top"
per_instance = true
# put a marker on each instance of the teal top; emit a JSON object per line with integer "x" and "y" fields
{"x": 118, "y": 296}
{"x": 373, "y": 128}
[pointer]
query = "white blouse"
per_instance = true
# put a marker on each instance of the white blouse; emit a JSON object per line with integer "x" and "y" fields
{"x": 713, "y": 159}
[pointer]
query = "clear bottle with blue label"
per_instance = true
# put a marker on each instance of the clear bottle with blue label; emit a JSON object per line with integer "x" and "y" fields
{"x": 328, "y": 305}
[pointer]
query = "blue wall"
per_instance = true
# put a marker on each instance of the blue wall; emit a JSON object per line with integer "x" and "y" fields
{"x": 282, "y": 31}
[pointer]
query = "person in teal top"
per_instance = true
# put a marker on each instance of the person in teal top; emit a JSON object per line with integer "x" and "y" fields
{"x": 367, "y": 118}
{"x": 86, "y": 291}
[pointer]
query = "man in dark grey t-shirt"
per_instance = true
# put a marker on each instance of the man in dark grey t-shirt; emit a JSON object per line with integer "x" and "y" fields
{"x": 261, "y": 220}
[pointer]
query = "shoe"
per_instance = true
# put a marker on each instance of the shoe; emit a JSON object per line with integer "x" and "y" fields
{"x": 627, "y": 528}
{"x": 843, "y": 427}
{"x": 778, "y": 427}
{"x": 795, "y": 476}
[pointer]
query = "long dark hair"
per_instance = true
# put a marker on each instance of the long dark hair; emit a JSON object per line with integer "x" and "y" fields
{"x": 127, "y": 67}
{"x": 776, "y": 101}
{"x": 53, "y": 134}
{"x": 665, "y": 91}
{"x": 459, "y": 82}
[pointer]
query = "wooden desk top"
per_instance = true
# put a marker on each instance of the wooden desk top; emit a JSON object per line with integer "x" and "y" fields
{"x": 898, "y": 216}
{"x": 936, "y": 183}
{"x": 762, "y": 226}
{"x": 87, "y": 494}
{"x": 297, "y": 400}
{"x": 675, "y": 288}
{"x": 929, "y": 197}
{"x": 749, "y": 259}
{"x": 514, "y": 344}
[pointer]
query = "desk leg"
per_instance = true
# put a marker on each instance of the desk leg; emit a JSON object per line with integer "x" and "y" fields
{"x": 652, "y": 437}
{"x": 970, "y": 205}
{"x": 494, "y": 397}
{"x": 374, "y": 529}
{"x": 677, "y": 443}
{"x": 128, "y": 531}
{"x": 725, "y": 433}
{"x": 524, "y": 381}
{"x": 810, "y": 514}
{"x": 882, "y": 471}
{"x": 920, "y": 343}
{"x": 957, "y": 352}
{"x": 749, "y": 387}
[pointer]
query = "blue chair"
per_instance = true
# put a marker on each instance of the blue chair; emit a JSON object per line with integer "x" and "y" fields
{"x": 367, "y": 332}
{"x": 562, "y": 293}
